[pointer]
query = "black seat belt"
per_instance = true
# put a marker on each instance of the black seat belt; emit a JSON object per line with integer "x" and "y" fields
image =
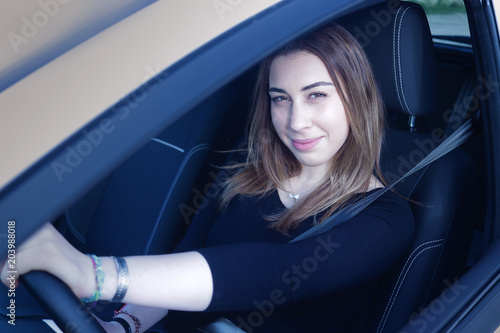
{"x": 456, "y": 139}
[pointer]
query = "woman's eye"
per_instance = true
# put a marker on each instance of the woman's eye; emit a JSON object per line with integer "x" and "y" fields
{"x": 317, "y": 95}
{"x": 278, "y": 99}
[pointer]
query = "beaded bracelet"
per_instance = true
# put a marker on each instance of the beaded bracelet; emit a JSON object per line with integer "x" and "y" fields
{"x": 99, "y": 277}
{"x": 136, "y": 320}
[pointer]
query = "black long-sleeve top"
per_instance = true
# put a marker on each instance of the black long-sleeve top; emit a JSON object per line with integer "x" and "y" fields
{"x": 321, "y": 284}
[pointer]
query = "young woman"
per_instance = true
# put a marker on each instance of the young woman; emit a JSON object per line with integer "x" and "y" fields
{"x": 314, "y": 142}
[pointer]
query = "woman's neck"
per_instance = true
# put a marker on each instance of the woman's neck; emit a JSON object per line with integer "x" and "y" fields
{"x": 310, "y": 176}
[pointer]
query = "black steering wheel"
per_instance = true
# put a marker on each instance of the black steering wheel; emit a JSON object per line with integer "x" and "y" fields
{"x": 57, "y": 299}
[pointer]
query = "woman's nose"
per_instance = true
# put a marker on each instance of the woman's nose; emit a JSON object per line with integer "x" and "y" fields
{"x": 300, "y": 118}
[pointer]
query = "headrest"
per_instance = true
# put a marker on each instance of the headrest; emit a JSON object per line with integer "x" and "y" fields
{"x": 398, "y": 42}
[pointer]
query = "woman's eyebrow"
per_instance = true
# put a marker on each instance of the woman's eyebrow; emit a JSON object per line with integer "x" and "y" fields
{"x": 317, "y": 84}
{"x": 314, "y": 85}
{"x": 278, "y": 90}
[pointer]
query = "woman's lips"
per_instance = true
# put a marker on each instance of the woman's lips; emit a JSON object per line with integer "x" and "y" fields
{"x": 307, "y": 144}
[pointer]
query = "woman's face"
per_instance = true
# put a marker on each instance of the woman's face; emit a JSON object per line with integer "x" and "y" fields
{"x": 306, "y": 110}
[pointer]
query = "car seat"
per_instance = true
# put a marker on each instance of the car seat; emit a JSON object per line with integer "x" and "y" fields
{"x": 397, "y": 40}
{"x": 136, "y": 210}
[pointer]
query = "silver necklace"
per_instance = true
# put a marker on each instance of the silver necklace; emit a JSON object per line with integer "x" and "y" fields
{"x": 292, "y": 194}
{"x": 296, "y": 197}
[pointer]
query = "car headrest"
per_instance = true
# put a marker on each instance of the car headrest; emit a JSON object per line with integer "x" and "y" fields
{"x": 398, "y": 42}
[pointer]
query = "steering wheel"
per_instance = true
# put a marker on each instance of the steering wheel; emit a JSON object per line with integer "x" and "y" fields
{"x": 57, "y": 299}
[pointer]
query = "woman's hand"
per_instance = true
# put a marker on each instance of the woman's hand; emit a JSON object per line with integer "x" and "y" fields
{"x": 47, "y": 250}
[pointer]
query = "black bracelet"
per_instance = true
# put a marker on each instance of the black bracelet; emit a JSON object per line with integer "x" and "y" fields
{"x": 124, "y": 323}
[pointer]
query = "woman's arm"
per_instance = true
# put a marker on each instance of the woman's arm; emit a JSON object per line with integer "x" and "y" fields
{"x": 177, "y": 281}
{"x": 180, "y": 281}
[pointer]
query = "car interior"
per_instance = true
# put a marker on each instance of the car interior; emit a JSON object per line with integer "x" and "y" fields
{"x": 145, "y": 205}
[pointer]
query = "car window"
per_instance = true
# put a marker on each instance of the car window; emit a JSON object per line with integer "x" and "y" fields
{"x": 448, "y": 21}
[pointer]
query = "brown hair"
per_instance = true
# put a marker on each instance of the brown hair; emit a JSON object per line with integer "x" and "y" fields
{"x": 269, "y": 162}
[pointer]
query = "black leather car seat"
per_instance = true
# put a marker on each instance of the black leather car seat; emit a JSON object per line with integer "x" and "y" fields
{"x": 137, "y": 209}
{"x": 397, "y": 39}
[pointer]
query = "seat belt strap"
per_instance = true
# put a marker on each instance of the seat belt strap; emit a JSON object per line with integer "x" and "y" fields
{"x": 456, "y": 139}
{"x": 460, "y": 110}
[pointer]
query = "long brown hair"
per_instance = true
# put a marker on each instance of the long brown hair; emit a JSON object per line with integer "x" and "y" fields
{"x": 270, "y": 163}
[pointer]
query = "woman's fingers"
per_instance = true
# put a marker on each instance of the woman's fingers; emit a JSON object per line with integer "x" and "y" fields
{"x": 23, "y": 258}
{"x": 47, "y": 250}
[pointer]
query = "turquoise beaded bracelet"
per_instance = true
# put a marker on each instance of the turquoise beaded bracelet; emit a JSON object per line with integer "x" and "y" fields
{"x": 99, "y": 277}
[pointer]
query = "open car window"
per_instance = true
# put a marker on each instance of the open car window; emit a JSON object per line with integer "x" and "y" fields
{"x": 91, "y": 117}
